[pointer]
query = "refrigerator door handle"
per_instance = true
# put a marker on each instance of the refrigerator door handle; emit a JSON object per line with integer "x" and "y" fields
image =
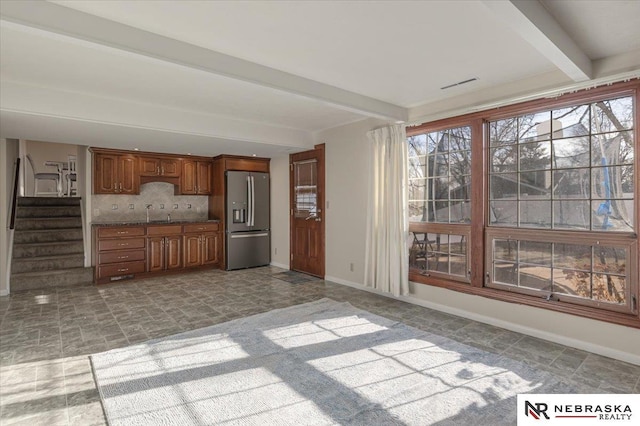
{"x": 253, "y": 201}
{"x": 249, "y": 205}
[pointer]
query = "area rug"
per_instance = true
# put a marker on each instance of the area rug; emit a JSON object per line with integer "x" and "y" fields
{"x": 319, "y": 363}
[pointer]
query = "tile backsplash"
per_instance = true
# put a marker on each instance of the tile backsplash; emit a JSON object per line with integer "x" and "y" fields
{"x": 131, "y": 208}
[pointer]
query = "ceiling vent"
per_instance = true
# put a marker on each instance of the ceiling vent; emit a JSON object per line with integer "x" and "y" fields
{"x": 460, "y": 83}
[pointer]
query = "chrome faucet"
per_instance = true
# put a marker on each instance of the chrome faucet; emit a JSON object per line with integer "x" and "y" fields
{"x": 148, "y": 206}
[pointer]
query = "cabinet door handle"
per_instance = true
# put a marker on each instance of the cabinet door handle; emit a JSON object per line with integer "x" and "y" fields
{"x": 158, "y": 170}
{"x": 123, "y": 257}
{"x": 123, "y": 244}
{"x": 123, "y": 270}
{"x": 122, "y": 232}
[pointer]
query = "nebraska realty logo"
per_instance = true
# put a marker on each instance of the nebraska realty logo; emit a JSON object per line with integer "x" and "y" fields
{"x": 578, "y": 409}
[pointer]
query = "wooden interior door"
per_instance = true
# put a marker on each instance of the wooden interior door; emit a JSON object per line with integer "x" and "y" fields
{"x": 307, "y": 211}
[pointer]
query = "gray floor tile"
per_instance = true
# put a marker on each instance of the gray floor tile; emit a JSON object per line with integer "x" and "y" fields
{"x": 46, "y": 337}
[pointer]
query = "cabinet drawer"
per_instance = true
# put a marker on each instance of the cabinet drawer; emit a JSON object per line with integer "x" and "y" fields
{"x": 121, "y": 244}
{"x": 201, "y": 227}
{"x": 120, "y": 269}
{"x": 164, "y": 230}
{"x": 133, "y": 231}
{"x": 120, "y": 256}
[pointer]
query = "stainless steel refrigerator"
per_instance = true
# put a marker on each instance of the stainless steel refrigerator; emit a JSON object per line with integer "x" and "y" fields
{"x": 247, "y": 228}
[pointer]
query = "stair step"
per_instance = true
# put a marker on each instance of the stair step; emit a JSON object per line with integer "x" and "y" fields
{"x": 49, "y": 279}
{"x": 30, "y": 250}
{"x": 47, "y": 211}
{"x": 48, "y": 223}
{"x": 47, "y": 263}
{"x": 49, "y": 201}
{"x": 47, "y": 235}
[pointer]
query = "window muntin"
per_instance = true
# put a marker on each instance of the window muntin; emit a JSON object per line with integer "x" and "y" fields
{"x": 568, "y": 168}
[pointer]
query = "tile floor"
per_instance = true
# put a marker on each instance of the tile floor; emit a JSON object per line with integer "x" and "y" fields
{"x": 46, "y": 336}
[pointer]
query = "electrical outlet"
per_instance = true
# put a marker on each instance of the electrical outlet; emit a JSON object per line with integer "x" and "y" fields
{"x": 188, "y": 206}
{"x": 131, "y": 206}
{"x": 114, "y": 207}
{"x": 175, "y": 207}
{"x": 351, "y": 266}
{"x": 161, "y": 206}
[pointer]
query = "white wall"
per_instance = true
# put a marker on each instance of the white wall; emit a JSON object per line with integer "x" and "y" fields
{"x": 8, "y": 155}
{"x": 346, "y": 176}
{"x": 346, "y": 194}
{"x": 279, "y": 175}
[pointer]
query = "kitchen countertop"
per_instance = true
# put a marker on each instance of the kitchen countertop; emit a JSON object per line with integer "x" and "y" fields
{"x": 153, "y": 222}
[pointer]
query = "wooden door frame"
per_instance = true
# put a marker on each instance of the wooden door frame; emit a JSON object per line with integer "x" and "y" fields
{"x": 320, "y": 148}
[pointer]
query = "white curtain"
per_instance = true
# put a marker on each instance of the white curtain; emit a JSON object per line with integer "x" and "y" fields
{"x": 386, "y": 262}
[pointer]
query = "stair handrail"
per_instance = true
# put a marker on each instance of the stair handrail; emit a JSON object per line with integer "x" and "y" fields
{"x": 14, "y": 195}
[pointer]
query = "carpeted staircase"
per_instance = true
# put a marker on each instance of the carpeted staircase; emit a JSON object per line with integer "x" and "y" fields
{"x": 48, "y": 249}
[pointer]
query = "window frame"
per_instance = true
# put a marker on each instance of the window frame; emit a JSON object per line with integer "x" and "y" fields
{"x": 480, "y": 230}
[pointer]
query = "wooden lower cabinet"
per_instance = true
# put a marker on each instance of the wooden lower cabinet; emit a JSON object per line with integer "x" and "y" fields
{"x": 211, "y": 248}
{"x": 164, "y": 253}
{"x": 129, "y": 252}
{"x": 119, "y": 253}
{"x": 192, "y": 250}
{"x": 202, "y": 249}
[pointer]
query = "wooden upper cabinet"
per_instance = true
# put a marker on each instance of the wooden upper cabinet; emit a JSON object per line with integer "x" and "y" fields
{"x": 150, "y": 166}
{"x": 204, "y": 177}
{"x": 128, "y": 175}
{"x": 122, "y": 172}
{"x": 196, "y": 177}
{"x": 246, "y": 164}
{"x": 105, "y": 174}
{"x": 115, "y": 174}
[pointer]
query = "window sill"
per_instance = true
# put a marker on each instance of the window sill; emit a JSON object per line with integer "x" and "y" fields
{"x": 628, "y": 320}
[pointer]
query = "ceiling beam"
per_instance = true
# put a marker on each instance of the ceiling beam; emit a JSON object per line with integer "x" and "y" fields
{"x": 534, "y": 23}
{"x": 62, "y": 20}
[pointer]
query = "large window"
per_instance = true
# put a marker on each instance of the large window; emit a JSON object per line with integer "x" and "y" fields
{"x": 552, "y": 218}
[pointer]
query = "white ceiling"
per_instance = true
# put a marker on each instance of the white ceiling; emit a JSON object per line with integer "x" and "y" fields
{"x": 245, "y": 77}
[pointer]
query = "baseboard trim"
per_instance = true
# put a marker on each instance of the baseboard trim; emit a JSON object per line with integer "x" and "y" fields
{"x": 545, "y": 335}
{"x": 279, "y": 265}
